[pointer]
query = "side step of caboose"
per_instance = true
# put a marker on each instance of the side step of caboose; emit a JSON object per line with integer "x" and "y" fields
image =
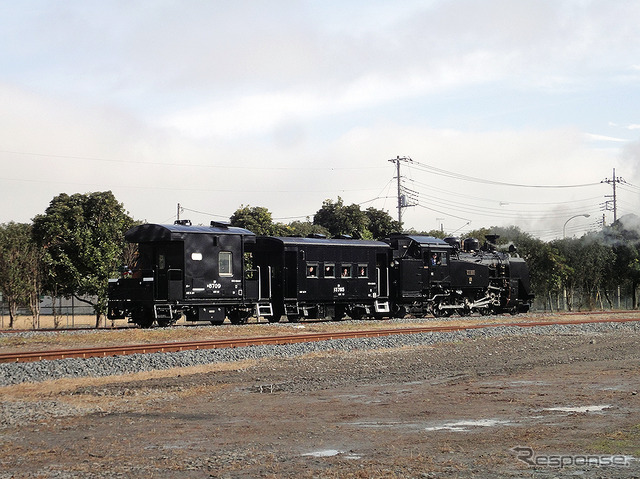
{"x": 264, "y": 310}
{"x": 382, "y": 307}
{"x": 163, "y": 311}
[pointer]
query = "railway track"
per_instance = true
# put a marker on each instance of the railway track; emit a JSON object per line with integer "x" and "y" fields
{"x": 118, "y": 350}
{"x": 206, "y": 323}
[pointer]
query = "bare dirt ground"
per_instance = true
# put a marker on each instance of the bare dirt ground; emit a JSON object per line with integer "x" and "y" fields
{"x": 450, "y": 410}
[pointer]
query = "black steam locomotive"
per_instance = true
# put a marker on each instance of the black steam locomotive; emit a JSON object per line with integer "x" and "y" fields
{"x": 217, "y": 272}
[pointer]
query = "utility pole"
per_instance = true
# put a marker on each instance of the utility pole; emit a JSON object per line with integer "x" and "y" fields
{"x": 402, "y": 199}
{"x": 613, "y": 182}
{"x": 178, "y": 213}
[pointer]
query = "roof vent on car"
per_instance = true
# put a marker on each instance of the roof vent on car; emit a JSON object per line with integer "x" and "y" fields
{"x": 182, "y": 222}
{"x": 219, "y": 224}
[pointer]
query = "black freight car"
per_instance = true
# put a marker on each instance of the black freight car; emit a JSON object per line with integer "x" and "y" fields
{"x": 197, "y": 271}
{"x": 323, "y": 278}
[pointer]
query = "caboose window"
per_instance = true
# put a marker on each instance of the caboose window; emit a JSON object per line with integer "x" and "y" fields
{"x": 224, "y": 263}
{"x": 362, "y": 271}
{"x": 312, "y": 271}
{"x": 329, "y": 270}
{"x": 345, "y": 271}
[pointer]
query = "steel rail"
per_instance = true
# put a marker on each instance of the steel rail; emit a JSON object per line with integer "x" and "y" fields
{"x": 196, "y": 324}
{"x": 30, "y": 356}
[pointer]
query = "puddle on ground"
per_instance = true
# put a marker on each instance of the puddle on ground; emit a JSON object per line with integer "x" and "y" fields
{"x": 582, "y": 409}
{"x": 332, "y": 453}
{"x": 465, "y": 425}
{"x": 510, "y": 384}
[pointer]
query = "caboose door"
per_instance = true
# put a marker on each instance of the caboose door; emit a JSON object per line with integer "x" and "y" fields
{"x": 382, "y": 274}
{"x": 290, "y": 274}
{"x": 169, "y": 266}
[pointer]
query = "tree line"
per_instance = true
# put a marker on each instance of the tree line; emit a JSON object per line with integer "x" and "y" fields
{"x": 77, "y": 244}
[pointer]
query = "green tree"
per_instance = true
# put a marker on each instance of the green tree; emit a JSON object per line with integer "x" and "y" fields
{"x": 304, "y": 229}
{"x": 381, "y": 224}
{"x": 339, "y": 219}
{"x": 589, "y": 263}
{"x": 594, "y": 268}
{"x": 83, "y": 238}
{"x": 258, "y": 220}
{"x": 20, "y": 269}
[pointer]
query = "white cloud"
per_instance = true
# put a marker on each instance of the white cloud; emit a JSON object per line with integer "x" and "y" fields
{"x": 492, "y": 89}
{"x": 596, "y": 137}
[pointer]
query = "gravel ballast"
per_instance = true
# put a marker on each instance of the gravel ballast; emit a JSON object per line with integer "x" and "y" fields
{"x": 16, "y": 373}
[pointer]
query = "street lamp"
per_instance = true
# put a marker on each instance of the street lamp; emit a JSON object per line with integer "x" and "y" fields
{"x": 564, "y": 228}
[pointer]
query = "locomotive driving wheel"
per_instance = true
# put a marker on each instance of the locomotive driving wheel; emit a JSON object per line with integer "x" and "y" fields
{"x": 439, "y": 312}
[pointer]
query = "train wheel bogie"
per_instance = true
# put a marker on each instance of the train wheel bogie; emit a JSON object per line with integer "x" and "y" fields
{"x": 238, "y": 316}
{"x": 143, "y": 318}
{"x": 399, "y": 311}
{"x": 357, "y": 313}
{"x": 338, "y": 313}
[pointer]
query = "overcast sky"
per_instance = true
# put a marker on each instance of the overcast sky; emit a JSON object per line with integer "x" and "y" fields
{"x": 283, "y": 104}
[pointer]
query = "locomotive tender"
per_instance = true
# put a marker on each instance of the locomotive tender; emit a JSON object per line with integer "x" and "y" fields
{"x": 217, "y": 272}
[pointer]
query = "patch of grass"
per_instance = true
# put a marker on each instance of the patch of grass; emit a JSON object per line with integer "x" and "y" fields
{"x": 626, "y": 441}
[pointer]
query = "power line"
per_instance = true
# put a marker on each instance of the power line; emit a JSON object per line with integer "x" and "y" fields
{"x": 613, "y": 183}
{"x": 459, "y": 176}
{"x": 226, "y": 166}
{"x": 403, "y": 192}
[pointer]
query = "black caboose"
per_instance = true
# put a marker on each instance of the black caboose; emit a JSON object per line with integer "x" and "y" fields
{"x": 197, "y": 271}
{"x": 322, "y": 278}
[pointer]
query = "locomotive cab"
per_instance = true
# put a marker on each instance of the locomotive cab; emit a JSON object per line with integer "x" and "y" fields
{"x": 420, "y": 270}
{"x": 197, "y": 271}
